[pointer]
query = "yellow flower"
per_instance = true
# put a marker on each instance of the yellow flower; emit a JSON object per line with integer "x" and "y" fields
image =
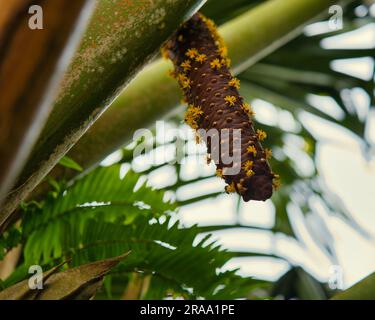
{"x": 276, "y": 183}
{"x": 192, "y": 53}
{"x": 182, "y": 77}
{"x": 246, "y": 107}
{"x": 250, "y": 173}
{"x": 214, "y": 33}
{"x": 186, "y": 65}
{"x": 192, "y": 116}
{"x": 247, "y": 165}
{"x": 230, "y": 188}
{"x": 180, "y": 38}
{"x": 268, "y": 153}
{"x": 219, "y": 173}
{"x": 164, "y": 53}
{"x": 230, "y": 100}
{"x": 195, "y": 111}
{"x": 201, "y": 58}
{"x": 226, "y": 62}
{"x": 210, "y": 24}
{"x": 261, "y": 135}
{"x": 234, "y": 83}
{"x": 186, "y": 84}
{"x": 184, "y": 81}
{"x": 190, "y": 122}
{"x": 252, "y": 149}
{"x": 215, "y": 64}
{"x": 223, "y": 51}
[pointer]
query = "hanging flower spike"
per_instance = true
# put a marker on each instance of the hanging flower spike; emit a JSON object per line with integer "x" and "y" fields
{"x": 220, "y": 106}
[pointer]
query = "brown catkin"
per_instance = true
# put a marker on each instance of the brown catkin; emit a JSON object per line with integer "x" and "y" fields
{"x": 202, "y": 70}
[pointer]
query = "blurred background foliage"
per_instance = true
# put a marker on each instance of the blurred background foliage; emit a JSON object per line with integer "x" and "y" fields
{"x": 171, "y": 256}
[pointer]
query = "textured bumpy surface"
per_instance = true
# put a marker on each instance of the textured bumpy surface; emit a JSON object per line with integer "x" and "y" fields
{"x": 202, "y": 70}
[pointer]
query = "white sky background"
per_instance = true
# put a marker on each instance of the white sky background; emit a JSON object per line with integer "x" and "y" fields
{"x": 341, "y": 163}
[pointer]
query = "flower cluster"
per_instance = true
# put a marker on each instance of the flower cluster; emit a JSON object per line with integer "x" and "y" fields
{"x": 202, "y": 70}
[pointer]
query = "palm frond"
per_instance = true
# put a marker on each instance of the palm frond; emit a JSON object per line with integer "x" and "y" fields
{"x": 103, "y": 215}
